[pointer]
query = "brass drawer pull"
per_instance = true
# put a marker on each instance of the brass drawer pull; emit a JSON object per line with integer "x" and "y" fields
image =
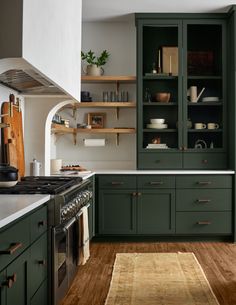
{"x": 41, "y": 223}
{"x": 203, "y": 200}
{"x": 10, "y": 280}
{"x": 42, "y": 262}
{"x": 134, "y": 194}
{"x": 117, "y": 183}
{"x": 203, "y": 223}
{"x": 139, "y": 194}
{"x": 156, "y": 182}
{"x": 12, "y": 249}
{"x": 204, "y": 161}
{"x": 204, "y": 182}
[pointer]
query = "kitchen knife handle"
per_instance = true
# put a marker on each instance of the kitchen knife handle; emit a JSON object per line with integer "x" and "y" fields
{"x": 12, "y": 249}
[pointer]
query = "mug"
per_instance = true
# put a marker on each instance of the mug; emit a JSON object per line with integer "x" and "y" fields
{"x": 200, "y": 126}
{"x": 193, "y": 94}
{"x": 212, "y": 126}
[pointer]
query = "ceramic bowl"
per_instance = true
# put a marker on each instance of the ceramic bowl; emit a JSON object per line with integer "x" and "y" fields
{"x": 157, "y": 121}
{"x": 162, "y": 97}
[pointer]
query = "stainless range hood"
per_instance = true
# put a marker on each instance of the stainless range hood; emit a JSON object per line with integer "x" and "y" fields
{"x": 28, "y": 82}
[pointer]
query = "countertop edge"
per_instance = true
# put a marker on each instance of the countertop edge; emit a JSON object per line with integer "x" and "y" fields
{"x": 23, "y": 211}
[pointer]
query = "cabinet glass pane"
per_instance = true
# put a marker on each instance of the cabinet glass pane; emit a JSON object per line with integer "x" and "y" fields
{"x": 160, "y": 88}
{"x": 204, "y": 94}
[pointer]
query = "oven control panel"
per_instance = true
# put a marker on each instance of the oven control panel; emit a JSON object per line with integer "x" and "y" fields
{"x": 72, "y": 208}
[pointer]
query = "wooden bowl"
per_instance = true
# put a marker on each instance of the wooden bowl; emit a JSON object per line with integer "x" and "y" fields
{"x": 162, "y": 97}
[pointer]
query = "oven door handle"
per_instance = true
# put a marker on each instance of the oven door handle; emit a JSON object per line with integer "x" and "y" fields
{"x": 81, "y": 212}
{"x": 69, "y": 224}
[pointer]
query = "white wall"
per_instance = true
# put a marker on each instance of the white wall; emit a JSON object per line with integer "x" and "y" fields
{"x": 36, "y": 113}
{"x": 119, "y": 39}
{"x": 52, "y": 41}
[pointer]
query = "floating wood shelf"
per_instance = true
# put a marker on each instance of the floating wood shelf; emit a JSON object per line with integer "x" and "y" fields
{"x": 59, "y": 130}
{"x": 108, "y": 79}
{"x": 116, "y": 105}
{"x": 116, "y": 131}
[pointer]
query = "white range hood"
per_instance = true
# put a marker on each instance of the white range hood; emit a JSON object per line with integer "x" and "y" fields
{"x": 40, "y": 46}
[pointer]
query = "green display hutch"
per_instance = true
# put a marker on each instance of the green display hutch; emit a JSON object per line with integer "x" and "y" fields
{"x": 189, "y": 52}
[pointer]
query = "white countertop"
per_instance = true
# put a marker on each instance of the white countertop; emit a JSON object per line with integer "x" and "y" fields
{"x": 15, "y": 206}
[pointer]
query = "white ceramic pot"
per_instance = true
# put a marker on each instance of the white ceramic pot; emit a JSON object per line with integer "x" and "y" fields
{"x": 93, "y": 70}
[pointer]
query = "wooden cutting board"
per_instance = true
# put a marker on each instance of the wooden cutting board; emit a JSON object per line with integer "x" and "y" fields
{"x": 12, "y": 139}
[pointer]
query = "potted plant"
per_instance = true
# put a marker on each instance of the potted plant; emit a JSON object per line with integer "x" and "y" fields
{"x": 95, "y": 64}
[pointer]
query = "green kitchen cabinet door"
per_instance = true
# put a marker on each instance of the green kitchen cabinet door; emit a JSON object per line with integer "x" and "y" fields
{"x": 2, "y": 288}
{"x": 17, "y": 277}
{"x": 117, "y": 212}
{"x": 38, "y": 264}
{"x": 156, "y": 211}
{"x": 40, "y": 297}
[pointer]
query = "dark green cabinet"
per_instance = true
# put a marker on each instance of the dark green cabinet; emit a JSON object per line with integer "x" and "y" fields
{"x": 183, "y": 56}
{"x": 117, "y": 211}
{"x": 156, "y": 212}
{"x": 17, "y": 277}
{"x": 24, "y": 269}
{"x": 147, "y": 206}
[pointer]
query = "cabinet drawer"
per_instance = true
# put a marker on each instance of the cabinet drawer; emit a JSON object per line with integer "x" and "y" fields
{"x": 159, "y": 160}
{"x": 204, "y": 200}
{"x": 205, "y": 160}
{"x": 204, "y": 181}
{"x": 14, "y": 241}
{"x": 203, "y": 223}
{"x": 38, "y": 263}
{"x": 38, "y": 223}
{"x": 117, "y": 181}
{"x": 154, "y": 181}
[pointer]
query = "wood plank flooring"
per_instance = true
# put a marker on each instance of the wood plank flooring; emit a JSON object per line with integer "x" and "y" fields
{"x": 91, "y": 284}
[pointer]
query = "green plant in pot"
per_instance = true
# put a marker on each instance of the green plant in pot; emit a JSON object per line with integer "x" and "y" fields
{"x": 95, "y": 63}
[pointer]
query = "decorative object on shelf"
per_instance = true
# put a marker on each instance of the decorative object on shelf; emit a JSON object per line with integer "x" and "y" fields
{"x": 162, "y": 97}
{"x": 113, "y": 96}
{"x": 156, "y": 140}
{"x": 96, "y": 119}
{"x": 147, "y": 96}
{"x": 105, "y": 96}
{"x": 56, "y": 165}
{"x": 157, "y": 146}
{"x": 212, "y": 144}
{"x": 201, "y": 144}
{"x": 154, "y": 71}
{"x": 200, "y": 63}
{"x": 94, "y": 67}
{"x": 159, "y": 62}
{"x": 213, "y": 126}
{"x": 170, "y": 60}
{"x": 94, "y": 142}
{"x": 56, "y": 119}
{"x": 157, "y": 124}
{"x": 200, "y": 126}
{"x": 209, "y": 99}
{"x": 85, "y": 96}
{"x": 192, "y": 93}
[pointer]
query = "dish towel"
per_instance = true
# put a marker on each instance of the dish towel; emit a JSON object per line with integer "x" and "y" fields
{"x": 85, "y": 253}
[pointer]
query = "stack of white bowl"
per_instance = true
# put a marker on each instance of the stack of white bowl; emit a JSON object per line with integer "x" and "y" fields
{"x": 157, "y": 124}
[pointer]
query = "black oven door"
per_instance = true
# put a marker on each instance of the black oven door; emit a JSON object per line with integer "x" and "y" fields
{"x": 64, "y": 258}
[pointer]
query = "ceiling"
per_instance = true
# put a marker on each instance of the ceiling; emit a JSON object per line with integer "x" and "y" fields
{"x": 122, "y": 10}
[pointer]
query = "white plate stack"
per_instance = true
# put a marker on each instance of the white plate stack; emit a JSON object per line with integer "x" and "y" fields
{"x": 157, "y": 124}
{"x": 157, "y": 146}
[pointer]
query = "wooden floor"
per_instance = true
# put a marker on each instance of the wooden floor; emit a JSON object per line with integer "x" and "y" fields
{"x": 91, "y": 284}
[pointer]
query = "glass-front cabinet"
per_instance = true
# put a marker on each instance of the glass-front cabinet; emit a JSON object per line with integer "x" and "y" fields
{"x": 182, "y": 92}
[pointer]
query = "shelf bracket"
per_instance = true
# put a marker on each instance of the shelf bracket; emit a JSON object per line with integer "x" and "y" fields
{"x": 74, "y": 136}
{"x": 74, "y": 111}
{"x": 117, "y": 113}
{"x": 117, "y": 139}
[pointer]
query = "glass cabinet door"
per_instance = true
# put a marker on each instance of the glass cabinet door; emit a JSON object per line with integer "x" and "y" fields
{"x": 204, "y": 94}
{"x": 159, "y": 86}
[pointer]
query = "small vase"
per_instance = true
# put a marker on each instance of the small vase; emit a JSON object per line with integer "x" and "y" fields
{"x": 93, "y": 70}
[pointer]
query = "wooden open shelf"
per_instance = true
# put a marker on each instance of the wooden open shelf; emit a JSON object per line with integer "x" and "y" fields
{"x": 108, "y": 78}
{"x": 61, "y": 130}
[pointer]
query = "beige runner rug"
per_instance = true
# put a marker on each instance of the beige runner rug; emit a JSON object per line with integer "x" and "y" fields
{"x": 159, "y": 279}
